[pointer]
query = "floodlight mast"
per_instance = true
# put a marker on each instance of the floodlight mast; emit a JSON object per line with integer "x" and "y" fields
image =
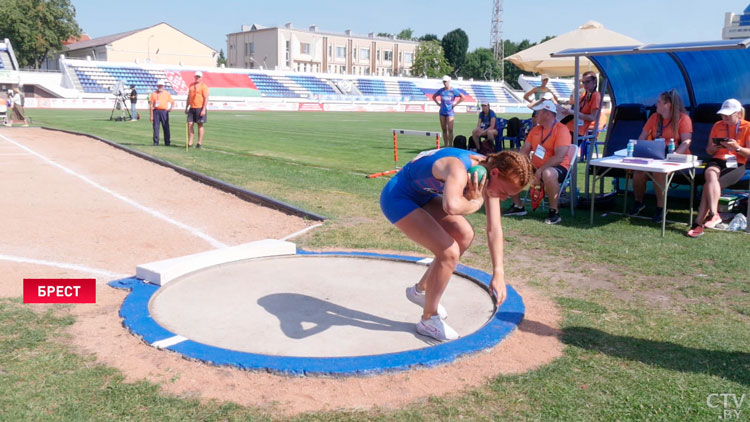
{"x": 498, "y": 49}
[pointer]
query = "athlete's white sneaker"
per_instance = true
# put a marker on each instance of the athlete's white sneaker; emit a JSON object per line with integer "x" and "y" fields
{"x": 418, "y": 298}
{"x": 436, "y": 328}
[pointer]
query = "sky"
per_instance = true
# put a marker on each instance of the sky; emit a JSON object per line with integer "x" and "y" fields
{"x": 649, "y": 21}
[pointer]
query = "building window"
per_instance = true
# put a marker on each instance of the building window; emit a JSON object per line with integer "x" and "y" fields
{"x": 388, "y": 55}
{"x": 330, "y": 51}
{"x": 377, "y": 55}
{"x": 364, "y": 54}
{"x": 342, "y": 69}
{"x": 304, "y": 48}
{"x": 407, "y": 57}
{"x": 289, "y": 53}
{"x": 341, "y": 52}
{"x": 249, "y": 48}
{"x": 354, "y": 53}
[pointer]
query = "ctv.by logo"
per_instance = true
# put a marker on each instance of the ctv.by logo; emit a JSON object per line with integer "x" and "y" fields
{"x": 729, "y": 403}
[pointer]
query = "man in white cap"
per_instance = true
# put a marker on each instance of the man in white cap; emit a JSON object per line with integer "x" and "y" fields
{"x": 160, "y": 104}
{"x": 196, "y": 107}
{"x": 548, "y": 144}
{"x": 447, "y": 97}
{"x": 485, "y": 128}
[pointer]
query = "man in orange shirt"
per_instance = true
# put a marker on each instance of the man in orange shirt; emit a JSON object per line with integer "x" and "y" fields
{"x": 548, "y": 144}
{"x": 196, "y": 108}
{"x": 589, "y": 104}
{"x": 160, "y": 104}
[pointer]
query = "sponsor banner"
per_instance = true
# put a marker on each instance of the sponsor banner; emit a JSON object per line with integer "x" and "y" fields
{"x": 59, "y": 290}
{"x": 310, "y": 107}
{"x": 414, "y": 108}
{"x": 178, "y": 84}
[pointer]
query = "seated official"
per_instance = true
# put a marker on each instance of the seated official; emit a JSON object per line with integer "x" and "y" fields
{"x": 485, "y": 128}
{"x": 727, "y": 164}
{"x": 669, "y": 122}
{"x": 588, "y": 106}
{"x": 548, "y": 144}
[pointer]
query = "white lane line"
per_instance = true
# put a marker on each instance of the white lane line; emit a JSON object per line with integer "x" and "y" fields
{"x": 65, "y": 265}
{"x": 425, "y": 261}
{"x": 170, "y": 341}
{"x": 305, "y": 230}
{"x": 215, "y": 243}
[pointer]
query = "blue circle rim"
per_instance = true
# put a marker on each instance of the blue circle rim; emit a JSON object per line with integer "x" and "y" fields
{"x": 137, "y": 318}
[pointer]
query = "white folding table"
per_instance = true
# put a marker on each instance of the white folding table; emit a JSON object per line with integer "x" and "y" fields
{"x": 654, "y": 166}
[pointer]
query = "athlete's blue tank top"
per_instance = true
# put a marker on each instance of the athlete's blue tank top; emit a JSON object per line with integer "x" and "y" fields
{"x": 418, "y": 172}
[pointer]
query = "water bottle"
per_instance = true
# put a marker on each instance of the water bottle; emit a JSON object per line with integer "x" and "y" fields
{"x": 670, "y": 148}
{"x": 631, "y": 147}
{"x": 739, "y": 222}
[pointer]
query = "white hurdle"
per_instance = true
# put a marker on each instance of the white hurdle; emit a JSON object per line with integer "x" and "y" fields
{"x": 397, "y": 132}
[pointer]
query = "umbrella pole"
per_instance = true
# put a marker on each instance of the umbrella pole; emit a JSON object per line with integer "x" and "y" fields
{"x": 576, "y": 114}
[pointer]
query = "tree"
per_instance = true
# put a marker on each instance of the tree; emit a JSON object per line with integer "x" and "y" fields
{"x": 384, "y": 34}
{"x": 455, "y": 44}
{"x": 405, "y": 34}
{"x": 481, "y": 64}
{"x": 428, "y": 37}
{"x": 37, "y": 28}
{"x": 221, "y": 60}
{"x": 429, "y": 60}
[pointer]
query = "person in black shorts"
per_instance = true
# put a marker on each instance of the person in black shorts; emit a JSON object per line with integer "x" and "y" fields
{"x": 196, "y": 108}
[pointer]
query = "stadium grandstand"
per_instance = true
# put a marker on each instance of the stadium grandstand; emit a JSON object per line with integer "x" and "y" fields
{"x": 9, "y": 76}
{"x": 84, "y": 83}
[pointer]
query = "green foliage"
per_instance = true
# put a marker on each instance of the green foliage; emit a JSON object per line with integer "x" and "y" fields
{"x": 455, "y": 44}
{"x": 429, "y": 60}
{"x": 221, "y": 60}
{"x": 428, "y": 37}
{"x": 481, "y": 64}
{"x": 384, "y": 34}
{"x": 405, "y": 34}
{"x": 37, "y": 28}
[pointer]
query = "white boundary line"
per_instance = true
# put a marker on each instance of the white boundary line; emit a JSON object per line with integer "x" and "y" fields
{"x": 305, "y": 230}
{"x": 215, "y": 243}
{"x": 169, "y": 341}
{"x": 65, "y": 265}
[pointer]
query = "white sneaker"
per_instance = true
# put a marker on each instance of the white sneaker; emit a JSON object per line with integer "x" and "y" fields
{"x": 418, "y": 298}
{"x": 436, "y": 328}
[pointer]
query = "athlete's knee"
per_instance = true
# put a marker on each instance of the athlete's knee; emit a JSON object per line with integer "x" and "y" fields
{"x": 450, "y": 255}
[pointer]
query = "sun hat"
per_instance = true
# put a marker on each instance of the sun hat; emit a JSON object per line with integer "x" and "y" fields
{"x": 199, "y": 73}
{"x": 160, "y": 82}
{"x": 446, "y": 78}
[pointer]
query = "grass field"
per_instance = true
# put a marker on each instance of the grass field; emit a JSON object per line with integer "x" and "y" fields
{"x": 659, "y": 325}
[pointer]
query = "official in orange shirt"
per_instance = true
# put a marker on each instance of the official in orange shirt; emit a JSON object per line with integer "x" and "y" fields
{"x": 588, "y": 105}
{"x": 196, "y": 108}
{"x": 727, "y": 165}
{"x": 160, "y": 104}
{"x": 548, "y": 144}
{"x": 669, "y": 122}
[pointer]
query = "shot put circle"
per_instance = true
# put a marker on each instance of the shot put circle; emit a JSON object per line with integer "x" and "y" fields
{"x": 333, "y": 313}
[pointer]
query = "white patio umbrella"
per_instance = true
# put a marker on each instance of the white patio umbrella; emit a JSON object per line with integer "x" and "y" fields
{"x": 538, "y": 58}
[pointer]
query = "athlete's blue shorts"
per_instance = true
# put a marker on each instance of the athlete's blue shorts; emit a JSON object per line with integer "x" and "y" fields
{"x": 397, "y": 199}
{"x": 448, "y": 113}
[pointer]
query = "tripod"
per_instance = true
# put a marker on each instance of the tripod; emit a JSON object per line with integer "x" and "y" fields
{"x": 120, "y": 104}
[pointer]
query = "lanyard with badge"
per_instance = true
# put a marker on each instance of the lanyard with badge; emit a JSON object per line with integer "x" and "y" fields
{"x": 540, "y": 150}
{"x": 731, "y": 159}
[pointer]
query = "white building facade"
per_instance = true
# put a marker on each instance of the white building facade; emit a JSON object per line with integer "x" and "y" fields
{"x": 311, "y": 51}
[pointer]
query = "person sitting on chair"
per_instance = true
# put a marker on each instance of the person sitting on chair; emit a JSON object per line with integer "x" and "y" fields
{"x": 588, "y": 106}
{"x": 726, "y": 167}
{"x": 485, "y": 128}
{"x": 669, "y": 122}
{"x": 548, "y": 144}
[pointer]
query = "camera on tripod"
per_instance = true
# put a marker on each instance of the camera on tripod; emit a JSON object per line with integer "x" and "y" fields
{"x": 121, "y": 99}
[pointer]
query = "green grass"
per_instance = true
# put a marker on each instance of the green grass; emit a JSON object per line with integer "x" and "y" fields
{"x": 651, "y": 325}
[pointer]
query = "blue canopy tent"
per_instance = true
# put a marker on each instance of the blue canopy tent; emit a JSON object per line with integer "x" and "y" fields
{"x": 705, "y": 73}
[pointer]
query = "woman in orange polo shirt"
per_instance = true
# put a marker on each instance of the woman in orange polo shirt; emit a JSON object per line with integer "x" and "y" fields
{"x": 727, "y": 166}
{"x": 669, "y": 122}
